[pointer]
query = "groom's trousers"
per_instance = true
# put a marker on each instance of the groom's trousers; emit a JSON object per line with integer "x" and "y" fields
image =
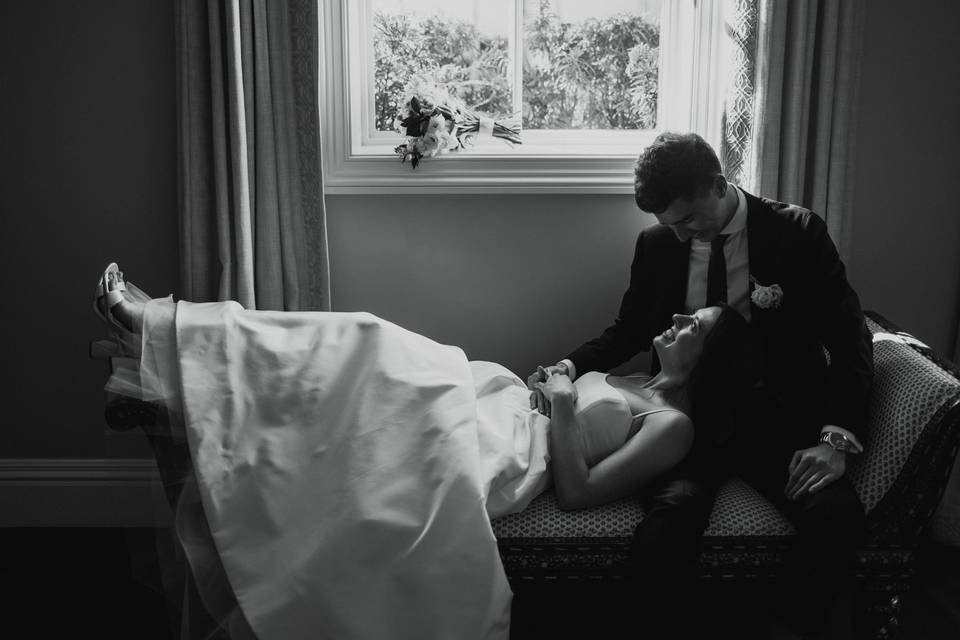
{"x": 667, "y": 544}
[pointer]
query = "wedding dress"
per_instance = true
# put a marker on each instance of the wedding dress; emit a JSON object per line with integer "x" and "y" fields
{"x": 349, "y": 469}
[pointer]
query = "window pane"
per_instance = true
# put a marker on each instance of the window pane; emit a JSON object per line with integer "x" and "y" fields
{"x": 590, "y": 65}
{"x": 463, "y": 47}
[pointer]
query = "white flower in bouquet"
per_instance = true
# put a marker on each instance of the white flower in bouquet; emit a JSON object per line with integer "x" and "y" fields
{"x": 432, "y": 144}
{"x": 448, "y": 141}
{"x": 437, "y": 124}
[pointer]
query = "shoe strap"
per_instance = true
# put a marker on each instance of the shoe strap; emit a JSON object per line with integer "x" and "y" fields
{"x": 114, "y": 297}
{"x": 120, "y": 283}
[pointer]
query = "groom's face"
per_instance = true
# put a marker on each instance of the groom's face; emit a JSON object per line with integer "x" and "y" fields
{"x": 701, "y": 218}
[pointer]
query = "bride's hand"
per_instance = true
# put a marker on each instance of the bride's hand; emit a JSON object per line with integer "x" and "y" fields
{"x": 557, "y": 389}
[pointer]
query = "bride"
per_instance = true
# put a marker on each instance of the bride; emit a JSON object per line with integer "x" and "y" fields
{"x": 349, "y": 468}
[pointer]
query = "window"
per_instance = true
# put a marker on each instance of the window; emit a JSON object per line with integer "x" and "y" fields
{"x": 592, "y": 84}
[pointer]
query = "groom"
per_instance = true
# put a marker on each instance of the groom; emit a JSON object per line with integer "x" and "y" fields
{"x": 791, "y": 440}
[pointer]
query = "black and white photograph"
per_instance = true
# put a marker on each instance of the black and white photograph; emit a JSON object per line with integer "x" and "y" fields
{"x": 480, "y": 320}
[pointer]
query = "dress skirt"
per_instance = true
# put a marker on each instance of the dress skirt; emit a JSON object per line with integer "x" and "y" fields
{"x": 348, "y": 469}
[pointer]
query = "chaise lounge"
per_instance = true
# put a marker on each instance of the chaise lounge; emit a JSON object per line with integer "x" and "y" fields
{"x": 555, "y": 557}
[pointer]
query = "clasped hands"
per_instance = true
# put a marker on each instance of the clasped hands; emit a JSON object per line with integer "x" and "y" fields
{"x": 548, "y": 386}
{"x": 813, "y": 469}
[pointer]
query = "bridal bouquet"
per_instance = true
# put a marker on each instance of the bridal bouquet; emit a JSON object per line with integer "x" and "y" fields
{"x": 436, "y": 122}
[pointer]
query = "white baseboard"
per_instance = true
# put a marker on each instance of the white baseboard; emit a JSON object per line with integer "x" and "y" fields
{"x": 81, "y": 492}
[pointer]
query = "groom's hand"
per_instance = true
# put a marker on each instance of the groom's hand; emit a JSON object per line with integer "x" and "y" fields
{"x": 813, "y": 469}
{"x": 538, "y": 400}
{"x": 542, "y": 373}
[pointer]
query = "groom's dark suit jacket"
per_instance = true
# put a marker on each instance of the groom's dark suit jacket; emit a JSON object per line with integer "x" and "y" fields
{"x": 789, "y": 246}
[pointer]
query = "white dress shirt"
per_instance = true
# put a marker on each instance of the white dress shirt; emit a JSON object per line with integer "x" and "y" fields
{"x": 738, "y": 264}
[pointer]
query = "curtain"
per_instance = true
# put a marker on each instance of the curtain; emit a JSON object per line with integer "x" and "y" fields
{"x": 740, "y": 22}
{"x": 252, "y": 218}
{"x": 807, "y": 83}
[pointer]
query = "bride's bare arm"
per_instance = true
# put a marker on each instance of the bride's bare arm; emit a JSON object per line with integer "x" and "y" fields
{"x": 664, "y": 440}
{"x": 571, "y": 475}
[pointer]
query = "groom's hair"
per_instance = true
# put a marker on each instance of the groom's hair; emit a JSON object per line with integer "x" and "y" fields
{"x": 675, "y": 165}
{"x": 729, "y": 365}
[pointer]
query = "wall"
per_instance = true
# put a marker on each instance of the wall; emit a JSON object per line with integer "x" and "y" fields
{"x": 905, "y": 257}
{"x": 88, "y": 170}
{"x": 519, "y": 280}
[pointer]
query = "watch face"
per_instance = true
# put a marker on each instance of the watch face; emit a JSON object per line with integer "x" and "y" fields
{"x": 837, "y": 441}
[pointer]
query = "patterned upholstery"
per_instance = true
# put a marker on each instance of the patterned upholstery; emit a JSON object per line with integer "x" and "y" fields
{"x": 739, "y": 511}
{"x": 909, "y": 391}
{"x": 543, "y": 518}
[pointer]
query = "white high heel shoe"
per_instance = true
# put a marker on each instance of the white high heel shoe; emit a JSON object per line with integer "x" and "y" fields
{"x": 121, "y": 341}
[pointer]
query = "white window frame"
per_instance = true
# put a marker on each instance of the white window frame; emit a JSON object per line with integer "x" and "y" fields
{"x": 359, "y": 161}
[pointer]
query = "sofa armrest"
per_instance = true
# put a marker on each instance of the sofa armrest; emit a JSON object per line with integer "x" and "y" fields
{"x": 912, "y": 435}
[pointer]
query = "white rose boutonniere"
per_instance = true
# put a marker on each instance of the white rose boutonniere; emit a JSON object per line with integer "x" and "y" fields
{"x": 770, "y": 297}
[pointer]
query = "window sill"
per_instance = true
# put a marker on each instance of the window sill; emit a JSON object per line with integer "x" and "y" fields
{"x": 460, "y": 173}
{"x": 486, "y": 168}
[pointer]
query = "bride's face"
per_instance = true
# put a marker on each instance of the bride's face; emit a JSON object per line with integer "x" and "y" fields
{"x": 681, "y": 345}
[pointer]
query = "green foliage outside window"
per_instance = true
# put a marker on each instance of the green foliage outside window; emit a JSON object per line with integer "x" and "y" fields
{"x": 598, "y": 74}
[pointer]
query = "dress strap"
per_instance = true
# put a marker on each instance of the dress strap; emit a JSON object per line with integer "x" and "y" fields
{"x": 646, "y": 413}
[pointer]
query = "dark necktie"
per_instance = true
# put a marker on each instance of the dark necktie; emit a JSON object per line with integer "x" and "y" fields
{"x": 717, "y": 273}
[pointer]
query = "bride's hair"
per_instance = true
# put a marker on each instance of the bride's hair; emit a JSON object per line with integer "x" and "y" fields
{"x": 728, "y": 367}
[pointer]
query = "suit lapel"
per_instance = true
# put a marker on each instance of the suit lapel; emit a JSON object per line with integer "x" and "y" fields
{"x": 758, "y": 241}
{"x": 763, "y": 254}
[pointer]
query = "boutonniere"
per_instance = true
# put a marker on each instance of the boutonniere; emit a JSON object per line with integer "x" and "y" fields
{"x": 770, "y": 297}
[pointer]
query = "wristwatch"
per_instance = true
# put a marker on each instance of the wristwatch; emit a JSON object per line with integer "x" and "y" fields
{"x": 563, "y": 367}
{"x": 838, "y": 441}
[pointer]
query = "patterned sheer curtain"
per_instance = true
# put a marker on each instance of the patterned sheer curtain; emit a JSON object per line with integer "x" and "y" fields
{"x": 789, "y": 125}
{"x": 251, "y": 200}
{"x": 738, "y": 114}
